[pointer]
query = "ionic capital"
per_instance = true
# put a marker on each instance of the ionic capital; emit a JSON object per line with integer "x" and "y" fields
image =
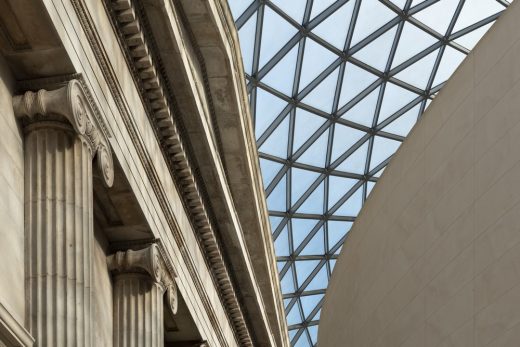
{"x": 68, "y": 104}
{"x": 148, "y": 261}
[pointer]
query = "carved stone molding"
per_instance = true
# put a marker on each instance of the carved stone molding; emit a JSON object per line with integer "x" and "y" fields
{"x": 141, "y": 280}
{"x": 155, "y": 92}
{"x": 67, "y": 104}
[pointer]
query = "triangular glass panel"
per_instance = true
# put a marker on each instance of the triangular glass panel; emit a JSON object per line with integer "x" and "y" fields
{"x": 355, "y": 80}
{"x": 303, "y": 341}
{"x": 306, "y": 124}
{"x": 322, "y": 96}
{"x": 419, "y": 73}
{"x": 281, "y": 244}
{"x": 439, "y": 15}
{"x": 376, "y": 53}
{"x": 301, "y": 180}
{"x": 276, "y": 143}
{"x": 382, "y": 149}
{"x": 276, "y": 32}
{"x": 316, "y": 244}
{"x": 344, "y": 138}
{"x": 402, "y": 125}
{"x": 314, "y": 203}
{"x": 474, "y": 11}
{"x": 471, "y": 39}
{"x": 287, "y": 282}
{"x": 352, "y": 206}
{"x": 332, "y": 264}
{"x": 246, "y": 35}
{"x": 316, "y": 153}
{"x": 276, "y": 200}
{"x": 318, "y": 6}
{"x": 268, "y": 107}
{"x": 370, "y": 186}
{"x": 294, "y": 315}
{"x": 380, "y": 172}
{"x": 238, "y": 7}
{"x": 281, "y": 76}
{"x": 293, "y": 332}
{"x": 337, "y": 231}
{"x": 275, "y": 222}
{"x": 363, "y": 112}
{"x": 320, "y": 281}
{"x": 451, "y": 59}
{"x": 315, "y": 59}
{"x": 394, "y": 99}
{"x": 334, "y": 29}
{"x": 338, "y": 187}
{"x": 313, "y": 332}
{"x": 412, "y": 41}
{"x": 309, "y": 303}
{"x": 294, "y": 9}
{"x": 356, "y": 162}
{"x": 304, "y": 269}
{"x": 372, "y": 15}
{"x": 301, "y": 227}
{"x": 280, "y": 265}
{"x": 269, "y": 170}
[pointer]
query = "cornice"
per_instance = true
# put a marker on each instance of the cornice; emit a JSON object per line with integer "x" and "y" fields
{"x": 154, "y": 95}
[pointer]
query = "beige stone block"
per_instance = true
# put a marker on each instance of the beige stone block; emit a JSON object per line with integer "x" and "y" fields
{"x": 498, "y": 278}
{"x": 497, "y": 239}
{"x": 404, "y": 324}
{"x": 498, "y": 81}
{"x": 456, "y": 312}
{"x": 461, "y": 337}
{"x": 497, "y": 318}
{"x": 500, "y": 120}
{"x": 457, "y": 274}
{"x": 500, "y": 197}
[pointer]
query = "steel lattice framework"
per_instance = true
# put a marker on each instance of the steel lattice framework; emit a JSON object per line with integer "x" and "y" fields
{"x": 335, "y": 86}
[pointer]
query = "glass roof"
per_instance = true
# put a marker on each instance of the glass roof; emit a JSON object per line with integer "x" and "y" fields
{"x": 334, "y": 87}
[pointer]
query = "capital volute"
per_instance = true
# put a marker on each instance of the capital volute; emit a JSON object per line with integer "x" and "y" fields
{"x": 68, "y": 104}
{"x": 146, "y": 261}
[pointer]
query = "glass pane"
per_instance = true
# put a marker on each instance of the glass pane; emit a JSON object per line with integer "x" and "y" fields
{"x": 372, "y": 15}
{"x": 281, "y": 76}
{"x": 276, "y": 32}
{"x": 322, "y": 96}
{"x": 376, "y": 53}
{"x": 334, "y": 29}
{"x": 315, "y": 59}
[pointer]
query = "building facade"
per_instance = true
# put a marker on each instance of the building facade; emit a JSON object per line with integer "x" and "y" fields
{"x": 132, "y": 209}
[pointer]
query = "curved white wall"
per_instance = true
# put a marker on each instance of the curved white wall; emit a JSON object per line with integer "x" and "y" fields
{"x": 434, "y": 257}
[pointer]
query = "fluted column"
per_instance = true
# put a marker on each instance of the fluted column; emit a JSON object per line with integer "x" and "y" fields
{"x": 140, "y": 283}
{"x": 61, "y": 140}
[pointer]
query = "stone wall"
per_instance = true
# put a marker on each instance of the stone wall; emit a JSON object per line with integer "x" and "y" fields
{"x": 434, "y": 257}
{"x": 11, "y": 202}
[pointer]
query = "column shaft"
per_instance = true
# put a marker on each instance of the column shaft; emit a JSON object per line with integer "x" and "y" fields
{"x": 138, "y": 311}
{"x": 59, "y": 228}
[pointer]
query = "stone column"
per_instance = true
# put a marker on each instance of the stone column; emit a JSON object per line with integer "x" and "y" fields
{"x": 140, "y": 282}
{"x": 61, "y": 140}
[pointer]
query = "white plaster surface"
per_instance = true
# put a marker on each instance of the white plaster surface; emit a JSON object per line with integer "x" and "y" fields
{"x": 434, "y": 257}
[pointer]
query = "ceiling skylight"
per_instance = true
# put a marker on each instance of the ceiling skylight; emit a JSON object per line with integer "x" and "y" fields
{"x": 335, "y": 86}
